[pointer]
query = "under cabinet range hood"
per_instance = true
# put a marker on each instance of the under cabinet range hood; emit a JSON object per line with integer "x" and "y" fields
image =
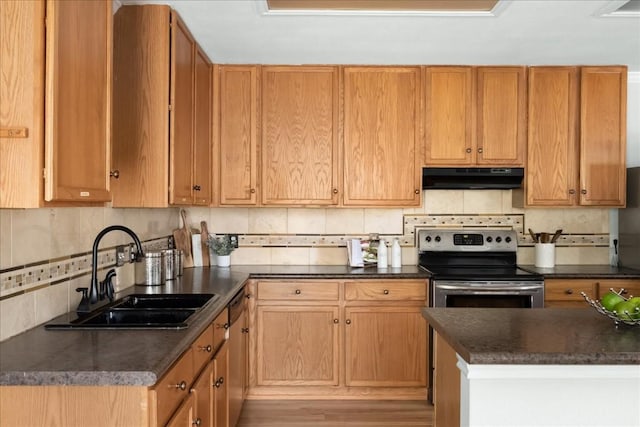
{"x": 471, "y": 178}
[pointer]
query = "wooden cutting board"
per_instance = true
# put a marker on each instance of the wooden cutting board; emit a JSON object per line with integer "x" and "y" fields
{"x": 204, "y": 233}
{"x": 182, "y": 238}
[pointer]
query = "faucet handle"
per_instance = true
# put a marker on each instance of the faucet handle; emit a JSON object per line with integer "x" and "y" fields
{"x": 84, "y": 306}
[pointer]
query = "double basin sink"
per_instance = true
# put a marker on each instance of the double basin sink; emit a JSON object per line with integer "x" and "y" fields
{"x": 142, "y": 311}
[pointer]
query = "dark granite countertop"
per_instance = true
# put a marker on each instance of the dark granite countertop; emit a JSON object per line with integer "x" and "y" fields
{"x": 140, "y": 358}
{"x": 544, "y": 336}
{"x": 584, "y": 272}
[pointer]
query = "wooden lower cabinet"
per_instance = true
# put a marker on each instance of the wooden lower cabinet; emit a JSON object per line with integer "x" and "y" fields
{"x": 383, "y": 347}
{"x": 446, "y": 378}
{"x": 332, "y": 339}
{"x": 203, "y": 395}
{"x": 185, "y": 416}
{"x": 567, "y": 292}
{"x": 221, "y": 386}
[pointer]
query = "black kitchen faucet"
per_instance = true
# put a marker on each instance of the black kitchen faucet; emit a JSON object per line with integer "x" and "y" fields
{"x": 106, "y": 286}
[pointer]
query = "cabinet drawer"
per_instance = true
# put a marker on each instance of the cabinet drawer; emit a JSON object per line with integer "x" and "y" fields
{"x": 174, "y": 387}
{"x": 220, "y": 327}
{"x": 569, "y": 290}
{"x": 203, "y": 349}
{"x": 386, "y": 291}
{"x": 303, "y": 291}
{"x": 630, "y": 287}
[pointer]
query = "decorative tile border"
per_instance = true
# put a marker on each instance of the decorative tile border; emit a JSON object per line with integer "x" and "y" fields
{"x": 17, "y": 280}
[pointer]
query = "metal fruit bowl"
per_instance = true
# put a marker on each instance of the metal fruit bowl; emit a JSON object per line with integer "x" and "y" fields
{"x": 610, "y": 314}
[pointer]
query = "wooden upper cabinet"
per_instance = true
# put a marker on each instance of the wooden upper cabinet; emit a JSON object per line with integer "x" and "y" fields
{"x": 567, "y": 167}
{"x": 78, "y": 101}
{"x": 181, "y": 112}
{"x": 55, "y": 103}
{"x": 157, "y": 141}
{"x": 603, "y": 131}
{"x": 552, "y": 159}
{"x": 21, "y": 103}
{"x": 299, "y": 144}
{"x": 475, "y": 116}
{"x": 202, "y": 149}
{"x": 501, "y": 137}
{"x": 449, "y": 115}
{"x": 237, "y": 132}
{"x": 382, "y": 125}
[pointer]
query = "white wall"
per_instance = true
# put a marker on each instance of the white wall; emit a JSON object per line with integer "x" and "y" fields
{"x": 633, "y": 119}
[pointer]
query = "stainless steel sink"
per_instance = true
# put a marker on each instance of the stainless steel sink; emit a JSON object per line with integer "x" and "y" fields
{"x": 141, "y": 311}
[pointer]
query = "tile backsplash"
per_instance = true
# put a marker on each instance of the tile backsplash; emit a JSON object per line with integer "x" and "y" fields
{"x": 45, "y": 253}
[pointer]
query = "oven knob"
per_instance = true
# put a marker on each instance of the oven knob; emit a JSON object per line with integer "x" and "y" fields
{"x": 507, "y": 239}
{"x": 438, "y": 238}
{"x": 498, "y": 239}
{"x": 489, "y": 239}
{"x": 428, "y": 239}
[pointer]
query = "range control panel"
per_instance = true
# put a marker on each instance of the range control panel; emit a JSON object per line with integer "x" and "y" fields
{"x": 467, "y": 240}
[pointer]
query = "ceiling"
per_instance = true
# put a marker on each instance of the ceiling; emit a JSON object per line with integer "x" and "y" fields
{"x": 531, "y": 32}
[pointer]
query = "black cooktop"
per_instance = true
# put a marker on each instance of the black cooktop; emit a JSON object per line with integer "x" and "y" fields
{"x": 480, "y": 273}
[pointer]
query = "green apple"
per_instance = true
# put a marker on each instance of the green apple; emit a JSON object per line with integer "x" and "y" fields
{"x": 626, "y": 310}
{"x": 610, "y": 299}
{"x": 635, "y": 300}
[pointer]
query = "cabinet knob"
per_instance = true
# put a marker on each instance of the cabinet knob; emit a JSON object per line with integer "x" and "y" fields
{"x": 416, "y": 191}
{"x": 572, "y": 191}
{"x": 623, "y": 291}
{"x": 248, "y": 296}
{"x": 568, "y": 291}
{"x": 222, "y": 326}
{"x": 219, "y": 382}
{"x": 182, "y": 385}
{"x": 206, "y": 348}
{"x": 468, "y": 150}
{"x": 336, "y": 320}
{"x": 114, "y": 173}
{"x": 348, "y": 321}
{"x": 245, "y": 330}
{"x": 298, "y": 291}
{"x": 253, "y": 190}
{"x": 197, "y": 187}
{"x": 335, "y": 191}
{"x": 583, "y": 191}
{"x": 386, "y": 292}
{"x": 480, "y": 150}
{"x": 197, "y": 422}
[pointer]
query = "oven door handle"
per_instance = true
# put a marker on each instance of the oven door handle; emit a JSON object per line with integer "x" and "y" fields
{"x": 486, "y": 290}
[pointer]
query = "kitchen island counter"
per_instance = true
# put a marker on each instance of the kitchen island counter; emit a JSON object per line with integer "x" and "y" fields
{"x": 536, "y": 336}
{"x": 493, "y": 365}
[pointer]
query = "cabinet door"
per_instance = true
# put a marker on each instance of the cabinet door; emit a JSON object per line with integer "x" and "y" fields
{"x": 501, "y": 137}
{"x": 449, "y": 116}
{"x": 603, "y": 100}
{"x": 238, "y": 124}
{"x": 181, "y": 114}
{"x": 297, "y": 345}
{"x": 385, "y": 346}
{"x": 552, "y": 159}
{"x": 78, "y": 101}
{"x": 237, "y": 368}
{"x": 202, "y": 182}
{"x": 185, "y": 416}
{"x": 221, "y": 386}
{"x": 21, "y": 103}
{"x": 203, "y": 395}
{"x": 299, "y": 136}
{"x": 382, "y": 122}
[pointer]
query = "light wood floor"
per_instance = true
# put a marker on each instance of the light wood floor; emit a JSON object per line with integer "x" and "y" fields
{"x": 336, "y": 413}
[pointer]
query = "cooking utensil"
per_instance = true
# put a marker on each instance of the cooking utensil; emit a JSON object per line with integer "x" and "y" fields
{"x": 556, "y": 235}
{"x": 544, "y": 238}
{"x": 182, "y": 238}
{"x": 205, "y": 249}
{"x": 533, "y": 236}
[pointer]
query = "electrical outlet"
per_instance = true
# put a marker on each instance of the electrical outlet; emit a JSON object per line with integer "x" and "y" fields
{"x": 234, "y": 240}
{"x": 121, "y": 255}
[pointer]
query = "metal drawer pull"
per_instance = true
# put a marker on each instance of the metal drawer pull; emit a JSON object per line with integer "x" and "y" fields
{"x": 206, "y": 348}
{"x": 197, "y": 422}
{"x": 568, "y": 291}
{"x": 386, "y": 292}
{"x": 219, "y": 382}
{"x": 336, "y": 320}
{"x": 348, "y": 321}
{"x": 298, "y": 291}
{"x": 182, "y": 385}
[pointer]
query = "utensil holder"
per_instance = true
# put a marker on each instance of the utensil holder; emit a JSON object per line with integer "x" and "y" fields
{"x": 545, "y": 255}
{"x": 149, "y": 269}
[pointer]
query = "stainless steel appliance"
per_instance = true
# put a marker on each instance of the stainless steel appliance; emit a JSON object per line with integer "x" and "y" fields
{"x": 629, "y": 222}
{"x": 475, "y": 268}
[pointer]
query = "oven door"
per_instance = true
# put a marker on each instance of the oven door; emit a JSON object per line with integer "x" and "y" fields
{"x": 493, "y": 294}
